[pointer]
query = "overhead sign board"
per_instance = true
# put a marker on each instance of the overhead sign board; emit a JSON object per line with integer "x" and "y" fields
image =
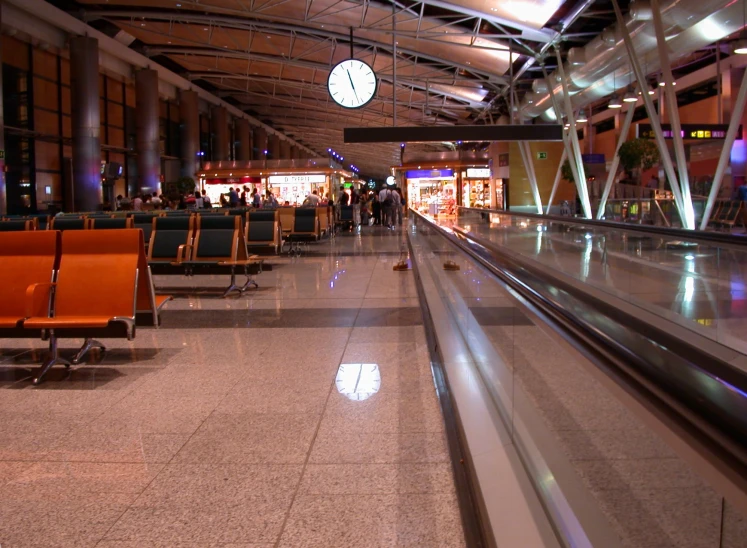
{"x": 689, "y": 131}
{"x": 296, "y": 179}
{"x": 478, "y": 173}
{"x": 430, "y": 174}
{"x": 593, "y": 158}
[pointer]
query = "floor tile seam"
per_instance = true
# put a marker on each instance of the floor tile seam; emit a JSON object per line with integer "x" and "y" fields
{"x": 313, "y": 441}
{"x": 165, "y": 465}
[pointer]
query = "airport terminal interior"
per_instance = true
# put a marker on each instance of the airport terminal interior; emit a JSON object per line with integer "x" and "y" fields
{"x": 373, "y": 273}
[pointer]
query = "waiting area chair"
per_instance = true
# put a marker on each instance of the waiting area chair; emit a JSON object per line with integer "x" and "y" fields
{"x": 94, "y": 294}
{"x": 305, "y": 229}
{"x": 219, "y": 241}
{"x": 263, "y": 229}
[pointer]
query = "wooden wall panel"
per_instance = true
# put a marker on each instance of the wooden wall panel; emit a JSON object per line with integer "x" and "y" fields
{"x": 116, "y": 137}
{"x": 15, "y": 53}
{"x": 115, "y": 115}
{"x": 67, "y": 126}
{"x": 45, "y": 94}
{"x": 65, "y": 67}
{"x": 45, "y": 63}
{"x": 66, "y": 100}
{"x": 130, "y": 95}
{"x": 520, "y": 192}
{"x": 47, "y": 156}
{"x": 114, "y": 90}
{"x": 46, "y": 122}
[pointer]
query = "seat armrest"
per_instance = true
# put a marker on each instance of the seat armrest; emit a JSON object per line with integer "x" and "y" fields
{"x": 181, "y": 253}
{"x": 36, "y": 295}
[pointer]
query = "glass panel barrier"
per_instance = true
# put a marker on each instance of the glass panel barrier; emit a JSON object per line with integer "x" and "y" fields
{"x": 698, "y": 285}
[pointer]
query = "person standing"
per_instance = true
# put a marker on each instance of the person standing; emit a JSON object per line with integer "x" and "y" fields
{"x": 387, "y": 207}
{"x": 376, "y": 209}
{"x": 198, "y": 200}
{"x": 206, "y": 201}
{"x": 233, "y": 198}
{"x": 137, "y": 203}
{"x": 397, "y": 207}
{"x": 242, "y": 197}
{"x": 355, "y": 199}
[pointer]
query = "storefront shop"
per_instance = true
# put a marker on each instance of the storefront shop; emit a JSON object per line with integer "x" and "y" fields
{"x": 289, "y": 185}
{"x": 476, "y": 187}
{"x": 432, "y": 191}
{"x": 215, "y": 187}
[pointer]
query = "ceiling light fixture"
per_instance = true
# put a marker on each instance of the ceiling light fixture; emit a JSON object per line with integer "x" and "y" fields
{"x": 615, "y": 102}
{"x": 630, "y": 97}
{"x": 582, "y": 119}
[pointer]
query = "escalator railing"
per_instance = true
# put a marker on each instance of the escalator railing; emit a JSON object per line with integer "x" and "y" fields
{"x": 702, "y": 398}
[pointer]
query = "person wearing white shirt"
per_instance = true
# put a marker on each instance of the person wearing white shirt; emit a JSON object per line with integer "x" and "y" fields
{"x": 387, "y": 207}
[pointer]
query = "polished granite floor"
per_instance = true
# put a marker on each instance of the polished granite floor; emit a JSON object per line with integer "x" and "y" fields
{"x": 232, "y": 426}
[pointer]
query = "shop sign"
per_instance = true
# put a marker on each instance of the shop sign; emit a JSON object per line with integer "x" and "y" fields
{"x": 296, "y": 179}
{"x": 689, "y": 131}
{"x": 593, "y": 158}
{"x": 478, "y": 173}
{"x": 390, "y": 180}
{"x": 234, "y": 181}
{"x": 542, "y": 155}
{"x": 430, "y": 174}
{"x": 503, "y": 160}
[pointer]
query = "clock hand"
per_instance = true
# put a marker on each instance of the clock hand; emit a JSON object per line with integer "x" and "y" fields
{"x": 353, "y": 85}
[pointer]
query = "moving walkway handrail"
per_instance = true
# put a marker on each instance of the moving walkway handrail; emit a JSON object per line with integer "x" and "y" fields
{"x": 702, "y": 398}
{"x": 696, "y": 236}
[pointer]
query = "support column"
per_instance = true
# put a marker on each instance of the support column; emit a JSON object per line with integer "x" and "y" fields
{"x": 243, "y": 140}
{"x": 3, "y": 189}
{"x": 219, "y": 123}
{"x": 273, "y": 145}
{"x": 190, "y": 126}
{"x": 285, "y": 150}
{"x": 86, "y": 123}
{"x": 623, "y": 136}
{"x": 260, "y": 143}
{"x": 147, "y": 131}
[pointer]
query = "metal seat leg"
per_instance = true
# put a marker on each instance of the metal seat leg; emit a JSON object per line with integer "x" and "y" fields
{"x": 54, "y": 358}
{"x": 233, "y": 286}
{"x": 87, "y": 345}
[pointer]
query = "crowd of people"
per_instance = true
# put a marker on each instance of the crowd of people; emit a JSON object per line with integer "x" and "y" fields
{"x": 383, "y": 208}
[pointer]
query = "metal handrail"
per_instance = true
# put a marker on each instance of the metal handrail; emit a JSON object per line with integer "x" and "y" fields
{"x": 702, "y": 398}
{"x": 696, "y": 236}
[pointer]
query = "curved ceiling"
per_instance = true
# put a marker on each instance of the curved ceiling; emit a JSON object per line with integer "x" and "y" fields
{"x": 271, "y": 58}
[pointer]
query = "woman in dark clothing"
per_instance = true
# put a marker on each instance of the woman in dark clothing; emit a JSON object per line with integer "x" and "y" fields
{"x": 376, "y": 210}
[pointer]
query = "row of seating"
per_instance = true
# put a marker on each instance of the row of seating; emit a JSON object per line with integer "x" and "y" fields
{"x": 728, "y": 213}
{"x": 202, "y": 241}
{"x": 262, "y": 228}
{"x": 79, "y": 284}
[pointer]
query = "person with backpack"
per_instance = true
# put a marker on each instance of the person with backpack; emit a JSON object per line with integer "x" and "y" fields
{"x": 387, "y": 207}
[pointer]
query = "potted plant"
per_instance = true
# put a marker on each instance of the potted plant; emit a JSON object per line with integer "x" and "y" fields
{"x": 638, "y": 155}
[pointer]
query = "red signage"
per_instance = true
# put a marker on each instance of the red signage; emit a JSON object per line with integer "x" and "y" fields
{"x": 234, "y": 181}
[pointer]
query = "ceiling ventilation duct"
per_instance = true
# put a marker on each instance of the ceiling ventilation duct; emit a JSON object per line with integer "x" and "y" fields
{"x": 689, "y": 25}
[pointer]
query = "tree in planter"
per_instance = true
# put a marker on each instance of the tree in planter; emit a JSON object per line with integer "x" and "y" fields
{"x": 637, "y": 156}
{"x": 181, "y": 187}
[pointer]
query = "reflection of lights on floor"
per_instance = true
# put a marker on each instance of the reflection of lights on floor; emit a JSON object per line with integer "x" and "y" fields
{"x": 689, "y": 288}
{"x": 358, "y": 381}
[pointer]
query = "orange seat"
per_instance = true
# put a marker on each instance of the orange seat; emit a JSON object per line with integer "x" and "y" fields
{"x": 27, "y": 258}
{"x": 95, "y": 291}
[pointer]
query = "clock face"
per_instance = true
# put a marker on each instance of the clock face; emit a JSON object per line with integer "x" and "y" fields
{"x": 352, "y": 83}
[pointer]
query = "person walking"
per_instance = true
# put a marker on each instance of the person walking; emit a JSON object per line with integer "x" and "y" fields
{"x": 355, "y": 199}
{"x": 387, "y": 207}
{"x": 376, "y": 209}
{"x": 397, "y": 207}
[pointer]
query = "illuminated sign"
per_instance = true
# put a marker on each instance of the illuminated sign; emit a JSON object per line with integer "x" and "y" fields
{"x": 430, "y": 173}
{"x": 390, "y": 180}
{"x": 295, "y": 179}
{"x": 689, "y": 131}
{"x": 542, "y": 155}
{"x": 478, "y": 173}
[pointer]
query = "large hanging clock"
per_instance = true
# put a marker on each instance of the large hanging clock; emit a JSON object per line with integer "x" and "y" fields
{"x": 352, "y": 83}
